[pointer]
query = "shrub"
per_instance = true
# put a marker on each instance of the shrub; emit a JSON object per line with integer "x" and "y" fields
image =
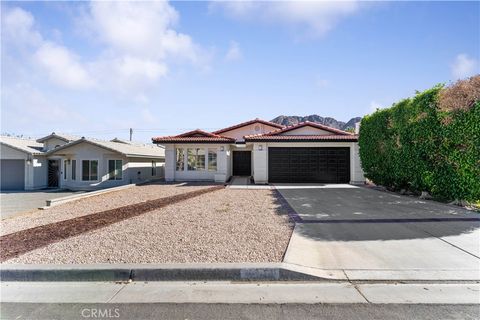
{"x": 430, "y": 142}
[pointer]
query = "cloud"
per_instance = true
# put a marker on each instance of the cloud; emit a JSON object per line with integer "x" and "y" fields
{"x": 18, "y": 28}
{"x": 464, "y": 66}
{"x": 234, "y": 52}
{"x": 134, "y": 44}
{"x": 316, "y": 17}
{"x": 32, "y": 108}
{"x": 63, "y": 67}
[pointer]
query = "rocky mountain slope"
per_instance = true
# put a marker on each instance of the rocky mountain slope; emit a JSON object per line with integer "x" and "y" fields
{"x": 331, "y": 122}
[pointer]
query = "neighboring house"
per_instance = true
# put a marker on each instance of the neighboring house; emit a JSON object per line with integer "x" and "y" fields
{"x": 64, "y": 161}
{"x": 266, "y": 151}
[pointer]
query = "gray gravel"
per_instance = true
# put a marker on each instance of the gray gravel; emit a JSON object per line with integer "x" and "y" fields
{"x": 224, "y": 226}
{"x": 97, "y": 203}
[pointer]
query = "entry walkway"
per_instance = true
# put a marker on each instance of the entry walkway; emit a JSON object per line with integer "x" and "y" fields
{"x": 244, "y": 182}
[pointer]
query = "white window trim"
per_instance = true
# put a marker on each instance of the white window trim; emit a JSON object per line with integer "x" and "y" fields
{"x": 99, "y": 175}
{"x": 108, "y": 170}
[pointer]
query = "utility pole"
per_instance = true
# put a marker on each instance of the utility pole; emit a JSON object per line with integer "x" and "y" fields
{"x": 131, "y": 133}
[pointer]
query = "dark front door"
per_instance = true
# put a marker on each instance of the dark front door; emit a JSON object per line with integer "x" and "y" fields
{"x": 53, "y": 173}
{"x": 327, "y": 165}
{"x": 242, "y": 163}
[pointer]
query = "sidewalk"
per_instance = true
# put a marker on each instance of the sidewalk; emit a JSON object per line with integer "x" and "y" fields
{"x": 243, "y": 293}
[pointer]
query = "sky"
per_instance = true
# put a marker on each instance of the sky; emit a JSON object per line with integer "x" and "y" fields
{"x": 98, "y": 68}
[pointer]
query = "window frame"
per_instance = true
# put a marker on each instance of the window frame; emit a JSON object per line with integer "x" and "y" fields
{"x": 74, "y": 169}
{"x": 183, "y": 162}
{"x": 65, "y": 169}
{"x": 195, "y": 166}
{"x": 89, "y": 169}
{"x": 215, "y": 152}
{"x": 154, "y": 168}
{"x": 115, "y": 174}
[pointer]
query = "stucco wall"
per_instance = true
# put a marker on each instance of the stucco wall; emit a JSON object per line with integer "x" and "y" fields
{"x": 52, "y": 143}
{"x": 247, "y": 130}
{"x": 86, "y": 151}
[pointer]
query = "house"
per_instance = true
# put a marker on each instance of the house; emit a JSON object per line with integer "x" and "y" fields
{"x": 77, "y": 163}
{"x": 266, "y": 151}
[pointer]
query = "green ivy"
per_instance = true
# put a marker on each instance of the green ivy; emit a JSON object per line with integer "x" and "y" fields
{"x": 414, "y": 146}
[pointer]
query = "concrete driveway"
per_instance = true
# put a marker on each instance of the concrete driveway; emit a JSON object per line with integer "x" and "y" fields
{"x": 18, "y": 202}
{"x": 372, "y": 234}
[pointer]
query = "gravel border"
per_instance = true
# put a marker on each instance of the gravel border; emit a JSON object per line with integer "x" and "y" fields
{"x": 226, "y": 226}
{"x": 97, "y": 203}
{"x": 27, "y": 240}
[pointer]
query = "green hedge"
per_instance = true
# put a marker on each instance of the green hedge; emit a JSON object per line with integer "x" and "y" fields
{"x": 415, "y": 146}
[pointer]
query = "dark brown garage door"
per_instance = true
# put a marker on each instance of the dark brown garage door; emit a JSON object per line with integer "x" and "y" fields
{"x": 326, "y": 165}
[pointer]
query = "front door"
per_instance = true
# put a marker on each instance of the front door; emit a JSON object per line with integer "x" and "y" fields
{"x": 53, "y": 173}
{"x": 242, "y": 163}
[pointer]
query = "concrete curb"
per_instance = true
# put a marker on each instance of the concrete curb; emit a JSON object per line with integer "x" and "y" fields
{"x": 166, "y": 272}
{"x": 223, "y": 272}
{"x": 54, "y": 202}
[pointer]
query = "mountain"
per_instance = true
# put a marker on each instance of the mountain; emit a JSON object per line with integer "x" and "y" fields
{"x": 331, "y": 122}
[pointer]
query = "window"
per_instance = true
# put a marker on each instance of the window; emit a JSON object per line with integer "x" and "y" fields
{"x": 89, "y": 170}
{"x": 74, "y": 169}
{"x": 212, "y": 160}
{"x": 154, "y": 168}
{"x": 196, "y": 159}
{"x": 180, "y": 160}
{"x": 115, "y": 169}
{"x": 64, "y": 169}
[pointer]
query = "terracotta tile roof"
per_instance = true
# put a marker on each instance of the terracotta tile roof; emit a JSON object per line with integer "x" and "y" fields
{"x": 246, "y": 123}
{"x": 196, "y": 136}
{"x": 310, "y": 124}
{"x": 302, "y": 138}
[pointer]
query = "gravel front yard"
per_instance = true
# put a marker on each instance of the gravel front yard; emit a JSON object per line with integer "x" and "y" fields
{"x": 97, "y": 203}
{"x": 229, "y": 225}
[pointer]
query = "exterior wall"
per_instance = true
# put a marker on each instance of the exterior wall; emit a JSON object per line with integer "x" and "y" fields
{"x": 140, "y": 169}
{"x": 223, "y": 164}
{"x": 261, "y": 158}
{"x": 247, "y": 130}
{"x": 85, "y": 151}
{"x": 35, "y": 171}
{"x": 52, "y": 143}
{"x": 305, "y": 131}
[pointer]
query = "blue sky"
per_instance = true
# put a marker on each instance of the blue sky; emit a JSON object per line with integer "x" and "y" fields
{"x": 99, "y": 68}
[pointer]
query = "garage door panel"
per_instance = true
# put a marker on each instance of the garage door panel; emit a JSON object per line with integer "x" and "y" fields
{"x": 325, "y": 165}
{"x": 12, "y": 174}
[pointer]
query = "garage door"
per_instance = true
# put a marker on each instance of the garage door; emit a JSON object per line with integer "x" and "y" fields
{"x": 12, "y": 174}
{"x": 326, "y": 165}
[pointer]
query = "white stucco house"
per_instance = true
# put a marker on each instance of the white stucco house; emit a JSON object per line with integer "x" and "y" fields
{"x": 265, "y": 151}
{"x": 76, "y": 163}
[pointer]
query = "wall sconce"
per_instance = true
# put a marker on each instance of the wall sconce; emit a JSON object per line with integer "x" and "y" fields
{"x": 260, "y": 147}
{"x": 29, "y": 161}
{"x": 222, "y": 148}
{"x": 68, "y": 161}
